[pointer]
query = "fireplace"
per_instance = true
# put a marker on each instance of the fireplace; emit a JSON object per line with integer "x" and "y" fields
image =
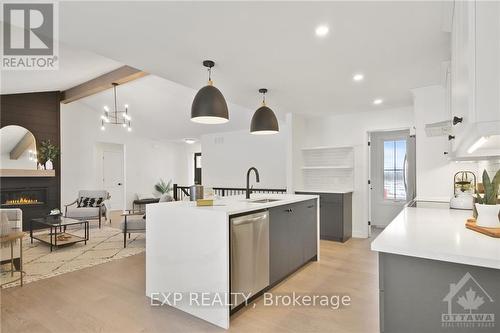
{"x": 23, "y": 197}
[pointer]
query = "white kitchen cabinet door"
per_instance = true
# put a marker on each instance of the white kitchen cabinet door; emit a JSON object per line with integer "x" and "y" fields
{"x": 487, "y": 61}
{"x": 475, "y": 75}
{"x": 462, "y": 69}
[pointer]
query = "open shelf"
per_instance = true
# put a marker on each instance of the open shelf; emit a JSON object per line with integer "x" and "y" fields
{"x": 327, "y": 168}
{"x": 26, "y": 173}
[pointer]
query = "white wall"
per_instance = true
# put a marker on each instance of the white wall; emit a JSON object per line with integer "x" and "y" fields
{"x": 145, "y": 160}
{"x": 296, "y": 141}
{"x": 434, "y": 170}
{"x": 185, "y": 176}
{"x": 226, "y": 158}
{"x": 352, "y": 130}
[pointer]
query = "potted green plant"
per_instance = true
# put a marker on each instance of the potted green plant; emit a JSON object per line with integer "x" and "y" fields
{"x": 487, "y": 206}
{"x": 164, "y": 189}
{"x": 47, "y": 153}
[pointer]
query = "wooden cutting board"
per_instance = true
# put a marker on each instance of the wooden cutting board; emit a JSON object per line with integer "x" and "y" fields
{"x": 492, "y": 232}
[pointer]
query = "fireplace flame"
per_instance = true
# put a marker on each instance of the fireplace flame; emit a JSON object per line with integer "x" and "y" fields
{"x": 22, "y": 201}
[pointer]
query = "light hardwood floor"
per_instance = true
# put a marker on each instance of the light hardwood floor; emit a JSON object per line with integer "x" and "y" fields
{"x": 110, "y": 298}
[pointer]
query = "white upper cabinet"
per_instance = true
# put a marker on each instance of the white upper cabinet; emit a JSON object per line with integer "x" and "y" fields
{"x": 475, "y": 76}
{"x": 487, "y": 61}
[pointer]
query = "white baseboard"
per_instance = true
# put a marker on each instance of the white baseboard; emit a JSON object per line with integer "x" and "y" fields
{"x": 360, "y": 234}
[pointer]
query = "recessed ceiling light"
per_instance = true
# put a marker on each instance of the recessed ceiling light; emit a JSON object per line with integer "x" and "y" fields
{"x": 358, "y": 77}
{"x": 189, "y": 141}
{"x": 378, "y": 101}
{"x": 322, "y": 30}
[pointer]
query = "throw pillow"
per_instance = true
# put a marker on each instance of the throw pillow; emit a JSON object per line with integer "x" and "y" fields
{"x": 143, "y": 196}
{"x": 89, "y": 202}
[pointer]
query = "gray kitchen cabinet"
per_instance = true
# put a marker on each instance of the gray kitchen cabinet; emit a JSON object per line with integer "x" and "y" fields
{"x": 416, "y": 295}
{"x": 335, "y": 215}
{"x": 292, "y": 238}
{"x": 309, "y": 229}
{"x": 279, "y": 243}
{"x": 296, "y": 244}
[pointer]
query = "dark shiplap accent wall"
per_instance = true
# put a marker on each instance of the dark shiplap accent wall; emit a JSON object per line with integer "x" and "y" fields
{"x": 40, "y": 113}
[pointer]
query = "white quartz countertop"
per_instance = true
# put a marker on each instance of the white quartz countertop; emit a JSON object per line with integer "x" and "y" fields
{"x": 238, "y": 204}
{"x": 337, "y": 191}
{"x": 439, "y": 234}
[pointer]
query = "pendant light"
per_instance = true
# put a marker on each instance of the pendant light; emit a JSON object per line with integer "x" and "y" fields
{"x": 264, "y": 120}
{"x": 209, "y": 105}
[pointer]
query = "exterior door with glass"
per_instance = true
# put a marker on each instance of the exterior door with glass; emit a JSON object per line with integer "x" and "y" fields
{"x": 392, "y": 174}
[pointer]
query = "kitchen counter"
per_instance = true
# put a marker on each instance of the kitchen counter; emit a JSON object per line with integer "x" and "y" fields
{"x": 337, "y": 191}
{"x": 439, "y": 234}
{"x": 428, "y": 262}
{"x": 238, "y": 204}
{"x": 188, "y": 249}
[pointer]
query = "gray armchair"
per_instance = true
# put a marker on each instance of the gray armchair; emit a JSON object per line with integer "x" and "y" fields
{"x": 133, "y": 222}
{"x": 88, "y": 206}
{"x": 11, "y": 221}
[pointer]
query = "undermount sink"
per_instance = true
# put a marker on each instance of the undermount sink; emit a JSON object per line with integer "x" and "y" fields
{"x": 264, "y": 200}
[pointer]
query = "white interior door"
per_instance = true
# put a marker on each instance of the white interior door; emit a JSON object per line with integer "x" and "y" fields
{"x": 113, "y": 177}
{"x": 392, "y": 179}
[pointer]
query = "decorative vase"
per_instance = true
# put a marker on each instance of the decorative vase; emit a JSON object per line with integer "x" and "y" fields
{"x": 487, "y": 215}
{"x": 49, "y": 165}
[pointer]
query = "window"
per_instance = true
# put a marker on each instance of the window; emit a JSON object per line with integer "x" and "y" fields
{"x": 394, "y": 169}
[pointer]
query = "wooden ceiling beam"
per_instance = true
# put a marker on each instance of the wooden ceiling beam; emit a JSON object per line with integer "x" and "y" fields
{"x": 120, "y": 75}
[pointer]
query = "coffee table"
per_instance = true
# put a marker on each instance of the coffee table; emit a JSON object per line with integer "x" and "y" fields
{"x": 57, "y": 235}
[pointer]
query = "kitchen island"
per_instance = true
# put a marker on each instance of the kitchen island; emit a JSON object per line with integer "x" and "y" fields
{"x": 435, "y": 275}
{"x": 188, "y": 249}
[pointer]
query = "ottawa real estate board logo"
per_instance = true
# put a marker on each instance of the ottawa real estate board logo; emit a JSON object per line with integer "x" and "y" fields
{"x": 30, "y": 36}
{"x": 469, "y": 305}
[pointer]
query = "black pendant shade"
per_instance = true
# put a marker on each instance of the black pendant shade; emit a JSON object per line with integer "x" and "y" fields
{"x": 264, "y": 120}
{"x": 209, "y": 105}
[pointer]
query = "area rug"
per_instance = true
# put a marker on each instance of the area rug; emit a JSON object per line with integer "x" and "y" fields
{"x": 105, "y": 245}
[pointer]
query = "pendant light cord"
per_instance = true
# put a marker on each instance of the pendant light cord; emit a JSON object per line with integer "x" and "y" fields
{"x": 116, "y": 109}
{"x": 210, "y": 76}
{"x": 263, "y": 99}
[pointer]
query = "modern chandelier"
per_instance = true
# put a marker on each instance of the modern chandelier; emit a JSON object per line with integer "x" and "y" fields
{"x": 116, "y": 116}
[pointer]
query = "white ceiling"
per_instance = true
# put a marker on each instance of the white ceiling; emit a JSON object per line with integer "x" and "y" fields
{"x": 161, "y": 109}
{"x": 397, "y": 45}
{"x": 75, "y": 66}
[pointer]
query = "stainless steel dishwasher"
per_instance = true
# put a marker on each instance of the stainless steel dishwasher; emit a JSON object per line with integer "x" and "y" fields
{"x": 249, "y": 255}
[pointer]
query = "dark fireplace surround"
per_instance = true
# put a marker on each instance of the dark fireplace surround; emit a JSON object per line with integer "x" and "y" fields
{"x": 40, "y": 114}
